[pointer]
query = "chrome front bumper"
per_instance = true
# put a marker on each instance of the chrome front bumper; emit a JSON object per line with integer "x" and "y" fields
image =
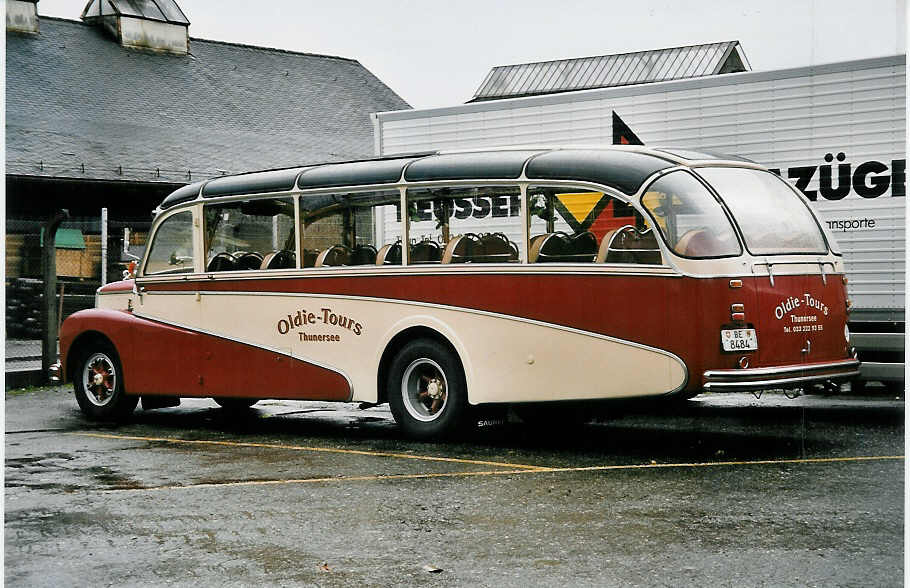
{"x": 55, "y": 373}
{"x": 788, "y": 376}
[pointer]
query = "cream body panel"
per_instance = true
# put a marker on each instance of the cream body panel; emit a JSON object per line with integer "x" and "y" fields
{"x": 113, "y": 301}
{"x": 179, "y": 308}
{"x": 505, "y": 359}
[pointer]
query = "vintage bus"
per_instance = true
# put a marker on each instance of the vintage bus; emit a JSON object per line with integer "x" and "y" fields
{"x": 443, "y": 282}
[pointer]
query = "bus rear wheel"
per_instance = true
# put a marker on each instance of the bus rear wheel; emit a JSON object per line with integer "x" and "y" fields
{"x": 98, "y": 384}
{"x": 427, "y": 391}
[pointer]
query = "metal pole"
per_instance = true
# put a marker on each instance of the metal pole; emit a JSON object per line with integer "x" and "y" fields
{"x": 103, "y": 246}
{"x": 275, "y": 232}
{"x": 60, "y": 306}
{"x": 49, "y": 308}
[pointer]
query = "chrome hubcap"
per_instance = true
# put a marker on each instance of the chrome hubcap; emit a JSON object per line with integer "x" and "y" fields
{"x": 424, "y": 389}
{"x": 99, "y": 378}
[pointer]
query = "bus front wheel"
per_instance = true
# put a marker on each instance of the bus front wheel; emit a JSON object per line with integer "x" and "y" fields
{"x": 98, "y": 384}
{"x": 427, "y": 391}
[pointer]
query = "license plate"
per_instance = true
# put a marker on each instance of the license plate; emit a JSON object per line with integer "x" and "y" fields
{"x": 739, "y": 339}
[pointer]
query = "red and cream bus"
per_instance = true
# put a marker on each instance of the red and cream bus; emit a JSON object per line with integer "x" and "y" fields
{"x": 442, "y": 282}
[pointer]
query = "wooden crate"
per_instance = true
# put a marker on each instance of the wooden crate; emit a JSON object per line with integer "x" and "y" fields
{"x": 77, "y": 263}
{"x": 15, "y": 245}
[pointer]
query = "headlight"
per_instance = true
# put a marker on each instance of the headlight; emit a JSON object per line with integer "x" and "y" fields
{"x": 847, "y": 333}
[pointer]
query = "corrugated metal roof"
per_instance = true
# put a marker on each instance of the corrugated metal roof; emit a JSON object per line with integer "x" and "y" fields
{"x": 604, "y": 71}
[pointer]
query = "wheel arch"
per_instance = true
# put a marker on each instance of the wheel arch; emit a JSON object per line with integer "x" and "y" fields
{"x": 83, "y": 341}
{"x": 404, "y": 335}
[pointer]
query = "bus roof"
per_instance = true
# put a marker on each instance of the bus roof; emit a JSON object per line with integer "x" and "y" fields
{"x": 623, "y": 168}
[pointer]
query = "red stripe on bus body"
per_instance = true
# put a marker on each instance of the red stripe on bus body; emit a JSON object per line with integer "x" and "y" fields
{"x": 681, "y": 315}
{"x": 632, "y": 308}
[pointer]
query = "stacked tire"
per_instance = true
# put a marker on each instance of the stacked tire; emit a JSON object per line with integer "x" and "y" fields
{"x": 24, "y": 297}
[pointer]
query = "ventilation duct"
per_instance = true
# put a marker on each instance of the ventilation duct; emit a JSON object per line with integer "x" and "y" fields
{"x": 22, "y": 16}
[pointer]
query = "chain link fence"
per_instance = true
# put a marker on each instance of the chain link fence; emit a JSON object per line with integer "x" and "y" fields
{"x": 89, "y": 253}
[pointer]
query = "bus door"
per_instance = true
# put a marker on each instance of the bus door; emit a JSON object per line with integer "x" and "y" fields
{"x": 801, "y": 314}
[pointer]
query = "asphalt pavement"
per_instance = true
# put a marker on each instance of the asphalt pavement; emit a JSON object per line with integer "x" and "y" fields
{"x": 723, "y": 490}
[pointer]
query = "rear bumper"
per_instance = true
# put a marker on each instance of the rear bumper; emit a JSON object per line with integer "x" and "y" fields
{"x": 787, "y": 376}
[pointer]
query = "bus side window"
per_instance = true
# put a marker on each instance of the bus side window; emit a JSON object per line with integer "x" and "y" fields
{"x": 465, "y": 224}
{"x": 560, "y": 224}
{"x": 171, "y": 250}
{"x": 351, "y": 229}
{"x": 578, "y": 225}
{"x": 689, "y": 217}
{"x": 249, "y": 235}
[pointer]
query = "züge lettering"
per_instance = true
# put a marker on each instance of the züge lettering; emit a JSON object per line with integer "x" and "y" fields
{"x": 869, "y": 179}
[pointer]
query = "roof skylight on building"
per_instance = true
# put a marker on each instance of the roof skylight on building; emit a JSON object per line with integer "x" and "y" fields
{"x": 163, "y": 10}
{"x": 158, "y": 25}
{"x": 605, "y": 71}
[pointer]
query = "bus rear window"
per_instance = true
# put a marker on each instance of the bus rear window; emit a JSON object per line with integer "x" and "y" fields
{"x": 690, "y": 219}
{"x": 773, "y": 219}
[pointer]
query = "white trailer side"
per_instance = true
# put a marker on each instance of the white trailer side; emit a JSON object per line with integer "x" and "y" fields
{"x": 836, "y": 131}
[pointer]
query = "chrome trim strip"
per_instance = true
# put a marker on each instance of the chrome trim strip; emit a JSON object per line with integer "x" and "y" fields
{"x": 256, "y": 345}
{"x": 761, "y": 384}
{"x": 739, "y": 375}
{"x": 486, "y": 313}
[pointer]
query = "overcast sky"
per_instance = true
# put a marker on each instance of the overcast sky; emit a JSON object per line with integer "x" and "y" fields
{"x": 436, "y": 53}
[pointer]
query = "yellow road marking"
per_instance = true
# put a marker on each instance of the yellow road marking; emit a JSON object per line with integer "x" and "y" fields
{"x": 369, "y": 478}
{"x": 705, "y": 464}
{"x": 317, "y": 449}
{"x": 516, "y": 468}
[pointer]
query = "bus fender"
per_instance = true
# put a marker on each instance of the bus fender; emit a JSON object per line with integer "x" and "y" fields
{"x": 439, "y": 327}
{"x": 113, "y": 325}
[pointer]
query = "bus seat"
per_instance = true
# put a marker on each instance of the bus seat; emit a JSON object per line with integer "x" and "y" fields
{"x": 248, "y": 260}
{"x": 629, "y": 245}
{"x": 560, "y": 247}
{"x": 363, "y": 255}
{"x": 648, "y": 251}
{"x": 620, "y": 243}
{"x": 221, "y": 262}
{"x": 389, "y": 254}
{"x": 696, "y": 243}
{"x": 583, "y": 246}
{"x": 604, "y": 248}
{"x": 335, "y": 255}
{"x": 309, "y": 258}
{"x": 426, "y": 252}
{"x": 460, "y": 249}
{"x": 279, "y": 259}
{"x": 552, "y": 247}
{"x": 449, "y": 252}
{"x": 537, "y": 242}
{"x": 496, "y": 248}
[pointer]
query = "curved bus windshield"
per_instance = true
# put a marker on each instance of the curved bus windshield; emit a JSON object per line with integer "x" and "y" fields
{"x": 772, "y": 218}
{"x": 690, "y": 218}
